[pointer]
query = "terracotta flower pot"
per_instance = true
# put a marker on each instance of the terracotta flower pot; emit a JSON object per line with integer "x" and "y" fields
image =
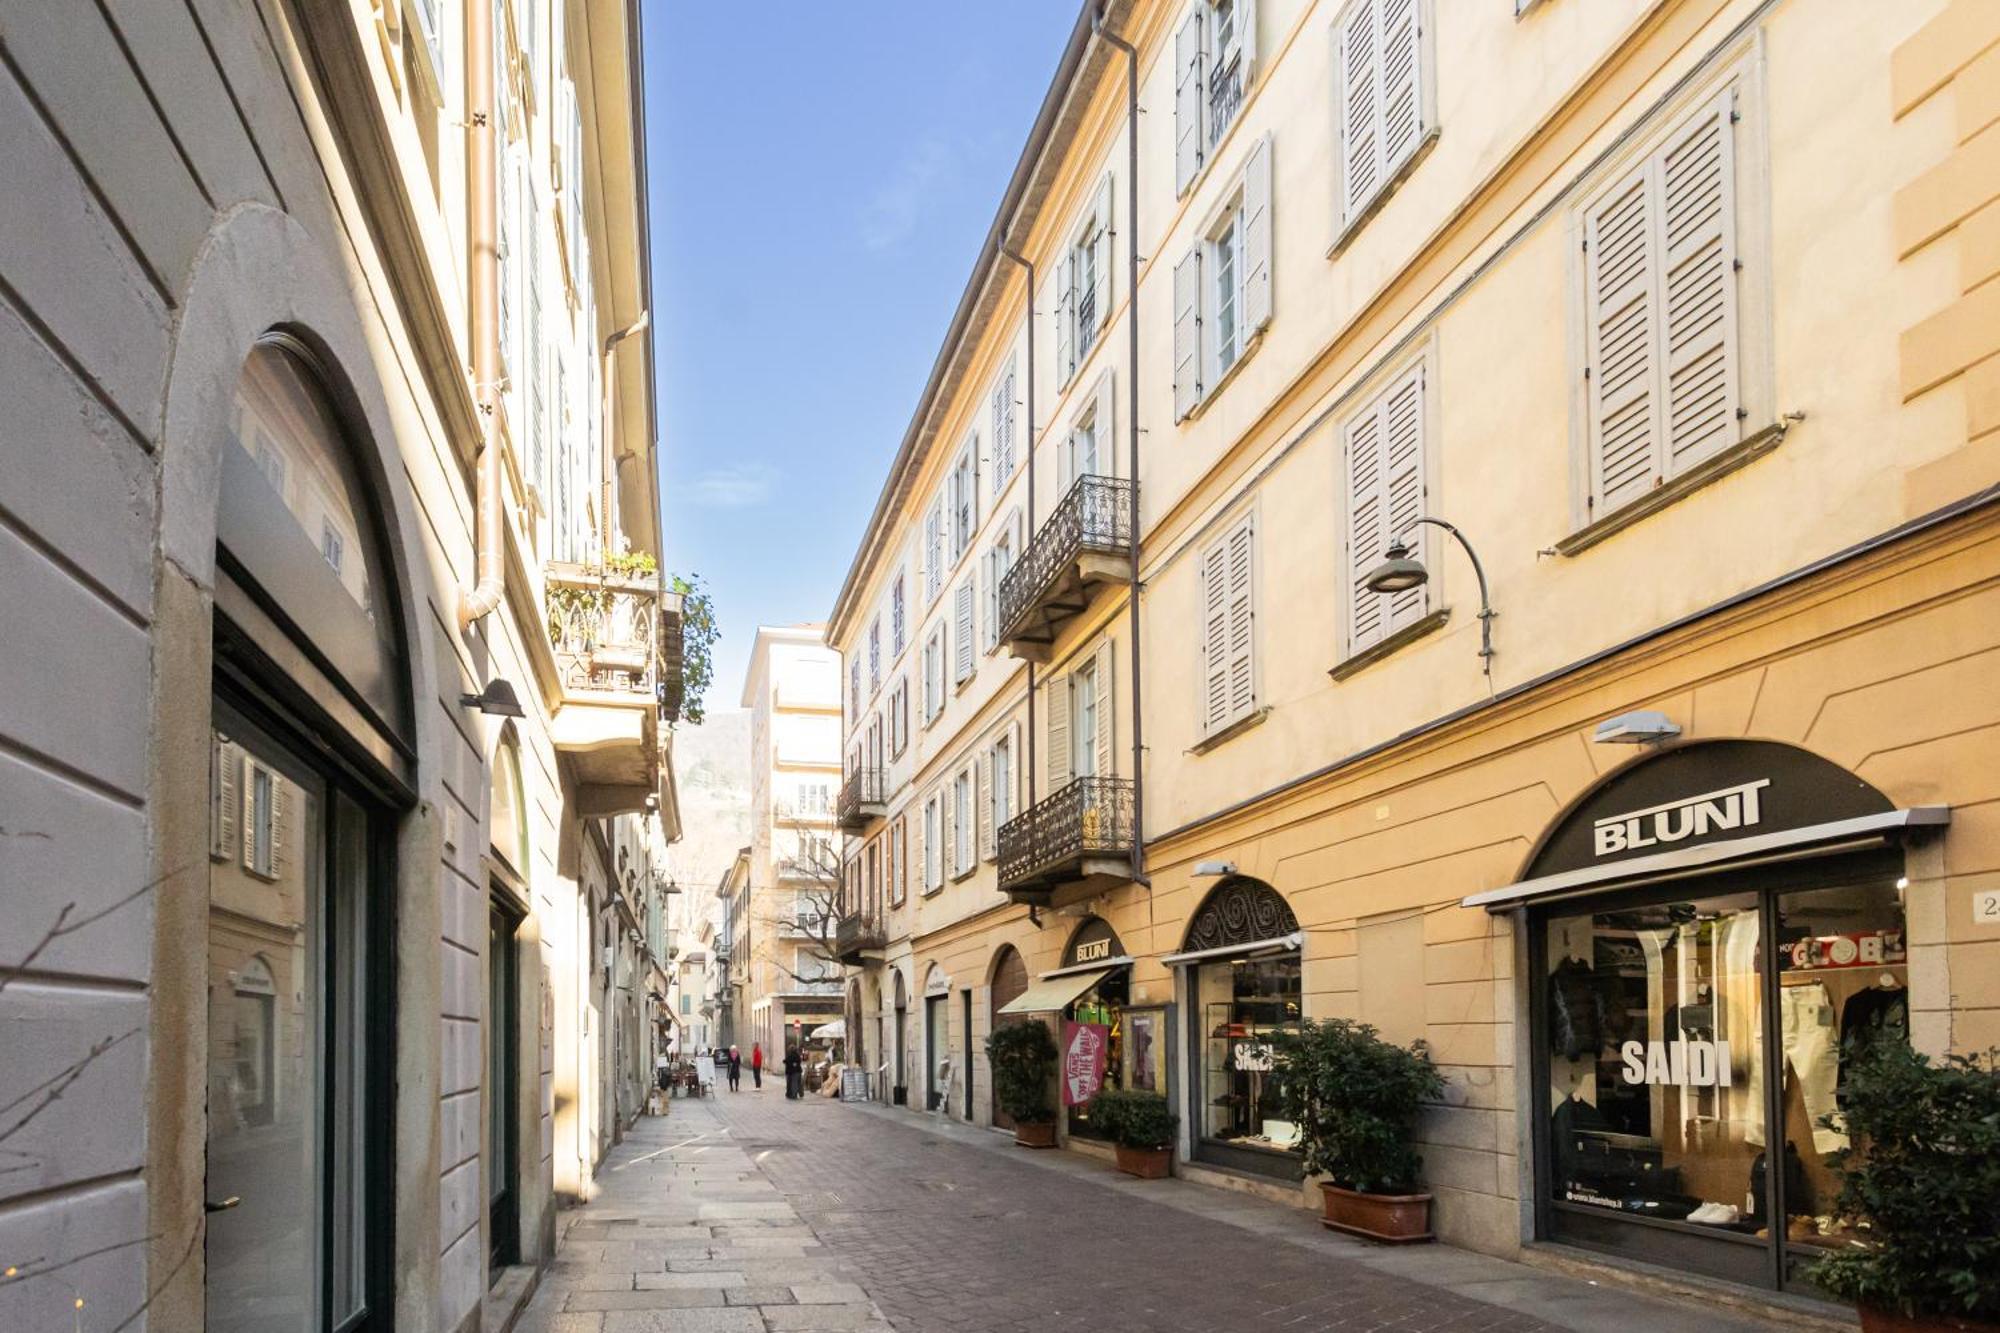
{"x": 1888, "y": 1321}
{"x": 1035, "y": 1136}
{"x": 1145, "y": 1163}
{"x": 1393, "y": 1219}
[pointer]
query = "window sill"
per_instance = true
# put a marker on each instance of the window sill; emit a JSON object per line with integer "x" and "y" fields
{"x": 1235, "y": 367}
{"x": 1230, "y": 732}
{"x": 960, "y": 876}
{"x": 1741, "y": 454}
{"x": 959, "y": 687}
{"x": 1353, "y": 226}
{"x": 1374, "y": 653}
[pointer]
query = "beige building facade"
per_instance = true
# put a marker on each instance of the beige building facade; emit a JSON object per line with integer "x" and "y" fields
{"x": 1553, "y": 442}
{"x": 334, "y": 763}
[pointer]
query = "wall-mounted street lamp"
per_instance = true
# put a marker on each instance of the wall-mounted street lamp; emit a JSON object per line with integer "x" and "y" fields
{"x": 496, "y": 700}
{"x": 1400, "y": 572}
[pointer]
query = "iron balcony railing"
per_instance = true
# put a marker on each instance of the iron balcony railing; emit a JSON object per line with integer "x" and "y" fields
{"x": 1095, "y": 516}
{"x": 1089, "y": 817}
{"x": 605, "y": 629}
{"x": 857, "y": 934}
{"x": 861, "y": 797}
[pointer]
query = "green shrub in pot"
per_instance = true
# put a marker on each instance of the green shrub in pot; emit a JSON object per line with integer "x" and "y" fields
{"x": 1135, "y": 1118}
{"x": 1023, "y": 1056}
{"x": 1920, "y": 1185}
{"x": 1355, "y": 1098}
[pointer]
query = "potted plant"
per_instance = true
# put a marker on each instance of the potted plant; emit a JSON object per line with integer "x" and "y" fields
{"x": 1355, "y": 1099}
{"x": 1920, "y": 1188}
{"x": 1023, "y": 1056}
{"x": 1141, "y": 1126}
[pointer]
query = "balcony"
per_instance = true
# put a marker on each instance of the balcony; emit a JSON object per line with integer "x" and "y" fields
{"x": 863, "y": 798}
{"x": 805, "y": 926}
{"x": 606, "y": 629}
{"x": 1085, "y": 542}
{"x": 1070, "y": 846}
{"x": 855, "y": 938}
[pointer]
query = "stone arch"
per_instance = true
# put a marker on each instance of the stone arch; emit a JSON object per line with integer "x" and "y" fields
{"x": 1007, "y": 981}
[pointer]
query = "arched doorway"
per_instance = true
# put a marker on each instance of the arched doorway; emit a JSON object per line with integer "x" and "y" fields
{"x": 857, "y": 1048}
{"x": 1242, "y": 955}
{"x": 1095, "y": 955}
{"x": 899, "y": 1076}
{"x": 1009, "y": 982}
{"x": 937, "y": 1037}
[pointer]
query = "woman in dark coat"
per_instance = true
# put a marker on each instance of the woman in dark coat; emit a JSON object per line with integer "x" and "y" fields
{"x": 794, "y": 1073}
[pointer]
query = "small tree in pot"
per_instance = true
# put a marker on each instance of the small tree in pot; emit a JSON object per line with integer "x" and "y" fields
{"x": 1023, "y": 1056}
{"x": 1920, "y": 1185}
{"x": 1142, "y": 1127}
{"x": 1355, "y": 1099}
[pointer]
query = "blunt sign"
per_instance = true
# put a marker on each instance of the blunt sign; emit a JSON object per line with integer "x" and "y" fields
{"x": 1738, "y": 807}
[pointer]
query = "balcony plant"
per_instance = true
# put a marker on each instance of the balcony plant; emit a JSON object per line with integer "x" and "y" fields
{"x": 1142, "y": 1126}
{"x": 1355, "y": 1098}
{"x": 1023, "y": 1056}
{"x": 1920, "y": 1186}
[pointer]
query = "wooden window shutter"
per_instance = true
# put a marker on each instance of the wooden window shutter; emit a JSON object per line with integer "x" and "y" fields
{"x": 1106, "y": 748}
{"x": 1187, "y": 333}
{"x": 1065, "y": 308}
{"x": 1403, "y": 447}
{"x": 1214, "y": 635}
{"x": 1190, "y": 97}
{"x": 226, "y": 822}
{"x": 924, "y": 847}
{"x": 962, "y": 615}
{"x": 1104, "y": 423}
{"x": 989, "y": 566}
{"x": 1621, "y": 354}
{"x": 1056, "y": 696}
{"x": 1257, "y": 237}
{"x": 1017, "y": 771}
{"x": 1385, "y": 447}
{"x": 1101, "y": 285}
{"x": 1246, "y": 37}
{"x": 1240, "y": 648}
{"x": 983, "y": 798}
{"x": 1697, "y": 174}
{"x": 1367, "y": 521}
{"x": 1401, "y": 66}
{"x": 1357, "y": 67}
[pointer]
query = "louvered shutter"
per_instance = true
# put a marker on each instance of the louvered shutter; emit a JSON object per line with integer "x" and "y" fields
{"x": 983, "y": 798}
{"x": 1214, "y": 637}
{"x": 1189, "y": 99}
{"x": 1017, "y": 771}
{"x": 1104, "y": 425}
{"x": 1105, "y": 728}
{"x": 1622, "y": 358}
{"x": 1102, "y": 245}
{"x": 1065, "y": 307}
{"x": 1239, "y": 648}
{"x": 1366, "y": 520}
{"x": 962, "y": 616}
{"x": 1402, "y": 124}
{"x": 1187, "y": 333}
{"x": 924, "y": 851}
{"x": 934, "y": 549}
{"x": 227, "y": 820}
{"x": 1246, "y": 37}
{"x": 1403, "y": 482}
{"x": 1358, "y": 67}
{"x": 1057, "y": 698}
{"x": 989, "y": 565}
{"x": 1257, "y": 237}
{"x": 1697, "y": 176}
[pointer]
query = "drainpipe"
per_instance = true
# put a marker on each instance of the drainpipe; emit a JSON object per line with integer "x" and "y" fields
{"x": 606, "y": 528}
{"x": 1028, "y": 526}
{"x": 1132, "y": 417}
{"x": 482, "y": 220}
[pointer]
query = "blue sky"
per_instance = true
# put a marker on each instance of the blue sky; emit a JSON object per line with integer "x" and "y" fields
{"x": 820, "y": 187}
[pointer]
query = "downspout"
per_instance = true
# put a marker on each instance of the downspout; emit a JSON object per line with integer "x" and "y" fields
{"x": 482, "y": 221}
{"x": 606, "y": 467}
{"x": 1028, "y": 526}
{"x": 1132, "y": 417}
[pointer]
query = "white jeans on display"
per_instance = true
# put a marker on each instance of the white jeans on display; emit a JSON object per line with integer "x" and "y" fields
{"x": 1810, "y": 1031}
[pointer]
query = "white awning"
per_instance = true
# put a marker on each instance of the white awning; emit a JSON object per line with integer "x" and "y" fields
{"x": 1051, "y": 993}
{"x": 834, "y": 1031}
{"x": 1111, "y": 964}
{"x": 1855, "y": 834}
{"x": 1277, "y": 944}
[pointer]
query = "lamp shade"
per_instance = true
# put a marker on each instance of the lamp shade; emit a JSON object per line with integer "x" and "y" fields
{"x": 496, "y": 700}
{"x": 1398, "y": 573}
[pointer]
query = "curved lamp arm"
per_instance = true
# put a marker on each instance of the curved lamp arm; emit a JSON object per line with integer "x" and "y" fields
{"x": 1485, "y": 605}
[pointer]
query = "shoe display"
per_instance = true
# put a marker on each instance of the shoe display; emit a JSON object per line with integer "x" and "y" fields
{"x": 1716, "y": 1214}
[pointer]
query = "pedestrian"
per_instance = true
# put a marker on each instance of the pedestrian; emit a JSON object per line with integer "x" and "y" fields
{"x": 794, "y": 1074}
{"x": 735, "y": 1069}
{"x": 756, "y": 1064}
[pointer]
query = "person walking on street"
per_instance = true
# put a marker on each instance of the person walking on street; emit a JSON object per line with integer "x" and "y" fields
{"x": 794, "y": 1074}
{"x": 756, "y": 1064}
{"x": 735, "y": 1069}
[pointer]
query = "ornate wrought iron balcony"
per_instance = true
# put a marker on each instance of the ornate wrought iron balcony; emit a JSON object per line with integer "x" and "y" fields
{"x": 605, "y": 629}
{"x": 863, "y": 797}
{"x": 1085, "y": 542}
{"x": 859, "y": 935}
{"x": 1070, "y": 844}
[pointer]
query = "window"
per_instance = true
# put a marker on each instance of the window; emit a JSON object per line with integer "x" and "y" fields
{"x": 225, "y": 780}
{"x": 262, "y": 834}
{"x": 962, "y": 860}
{"x": 1083, "y": 720}
{"x": 429, "y": 21}
{"x": 1228, "y": 639}
{"x": 331, "y": 545}
{"x": 899, "y": 715}
{"x": 1080, "y": 450}
{"x": 1003, "y": 430}
{"x": 875, "y": 656}
{"x": 1215, "y": 60}
{"x": 1000, "y": 784}
{"x": 934, "y": 550}
{"x": 899, "y": 866}
{"x": 999, "y": 560}
{"x": 1662, "y": 375}
{"x": 898, "y": 624}
{"x": 854, "y": 690}
{"x": 934, "y": 673}
{"x": 1383, "y": 447}
{"x": 1222, "y": 287}
{"x": 1083, "y": 286}
{"x": 964, "y": 499}
{"x": 1078, "y": 726}
{"x": 570, "y": 160}
{"x": 962, "y": 602}
{"x": 933, "y": 848}
{"x": 687, "y": 1004}
{"x": 1379, "y": 99}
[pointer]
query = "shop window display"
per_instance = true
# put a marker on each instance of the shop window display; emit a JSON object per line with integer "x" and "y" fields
{"x": 1103, "y": 1004}
{"x": 1244, "y": 1002}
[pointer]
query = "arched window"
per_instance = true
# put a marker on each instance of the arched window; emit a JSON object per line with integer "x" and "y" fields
{"x": 508, "y": 820}
{"x": 1239, "y": 911}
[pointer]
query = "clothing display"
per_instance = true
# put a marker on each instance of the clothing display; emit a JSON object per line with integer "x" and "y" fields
{"x": 1579, "y": 1015}
{"x": 1870, "y": 1016}
{"x": 1810, "y": 1038}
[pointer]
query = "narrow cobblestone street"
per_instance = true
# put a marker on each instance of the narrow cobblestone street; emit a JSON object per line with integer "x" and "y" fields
{"x": 748, "y": 1212}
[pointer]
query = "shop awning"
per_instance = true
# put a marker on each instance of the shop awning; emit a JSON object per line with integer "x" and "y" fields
{"x": 1051, "y": 993}
{"x": 834, "y": 1031}
{"x": 1840, "y": 835}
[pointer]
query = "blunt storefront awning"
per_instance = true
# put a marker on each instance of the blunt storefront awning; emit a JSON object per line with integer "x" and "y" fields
{"x": 1051, "y": 993}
